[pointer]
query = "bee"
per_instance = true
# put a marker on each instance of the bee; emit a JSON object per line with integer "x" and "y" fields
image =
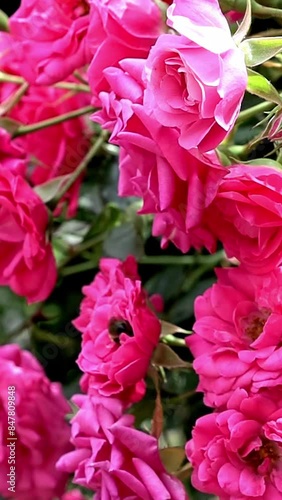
{"x": 117, "y": 327}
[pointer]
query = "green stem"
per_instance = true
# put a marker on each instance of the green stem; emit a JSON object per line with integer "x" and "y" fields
{"x": 185, "y": 395}
{"x": 7, "y": 105}
{"x": 182, "y": 260}
{"x": 84, "y": 266}
{"x": 81, "y": 167}
{"x": 90, "y": 243}
{"x": 6, "y": 78}
{"x": 254, "y": 110}
{"x": 257, "y": 9}
{"x": 82, "y": 247}
{"x": 76, "y": 87}
{"x": 28, "y": 129}
{"x": 80, "y": 78}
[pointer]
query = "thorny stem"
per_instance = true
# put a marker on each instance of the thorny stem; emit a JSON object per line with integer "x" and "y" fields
{"x": 78, "y": 268}
{"x": 75, "y": 87}
{"x": 81, "y": 167}
{"x": 254, "y": 110}
{"x": 80, "y": 248}
{"x": 7, "y": 105}
{"x": 28, "y": 129}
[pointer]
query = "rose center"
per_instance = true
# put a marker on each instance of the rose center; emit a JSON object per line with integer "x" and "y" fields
{"x": 74, "y": 8}
{"x": 267, "y": 454}
{"x": 254, "y": 323}
{"x": 118, "y": 326}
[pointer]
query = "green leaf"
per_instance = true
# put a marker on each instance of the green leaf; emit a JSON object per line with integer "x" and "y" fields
{"x": 170, "y": 329}
{"x": 259, "y": 50}
{"x": 245, "y": 25}
{"x": 166, "y": 357}
{"x": 265, "y": 162}
{"x": 122, "y": 241}
{"x": 4, "y": 21}
{"x": 260, "y": 86}
{"x": 50, "y": 189}
{"x": 167, "y": 282}
{"x": 172, "y": 458}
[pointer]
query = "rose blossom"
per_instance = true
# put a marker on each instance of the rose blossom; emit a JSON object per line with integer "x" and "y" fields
{"x": 27, "y": 263}
{"x": 58, "y": 149}
{"x": 237, "y": 340}
{"x": 175, "y": 184}
{"x": 120, "y": 331}
{"x": 237, "y": 453}
{"x": 49, "y": 39}
{"x": 114, "y": 459}
{"x": 120, "y": 30}
{"x": 196, "y": 81}
{"x": 41, "y": 430}
{"x": 248, "y": 205}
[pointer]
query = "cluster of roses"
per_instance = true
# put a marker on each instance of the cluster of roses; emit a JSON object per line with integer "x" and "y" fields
{"x": 236, "y": 451}
{"x": 119, "y": 334}
{"x": 169, "y": 93}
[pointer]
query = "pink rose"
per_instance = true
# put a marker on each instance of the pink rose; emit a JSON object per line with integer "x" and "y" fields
{"x": 49, "y": 39}
{"x": 236, "y": 454}
{"x": 237, "y": 334}
{"x": 41, "y": 431}
{"x": 175, "y": 184}
{"x": 27, "y": 263}
{"x": 120, "y": 331}
{"x": 249, "y": 207}
{"x": 114, "y": 459}
{"x": 196, "y": 81}
{"x": 120, "y": 30}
